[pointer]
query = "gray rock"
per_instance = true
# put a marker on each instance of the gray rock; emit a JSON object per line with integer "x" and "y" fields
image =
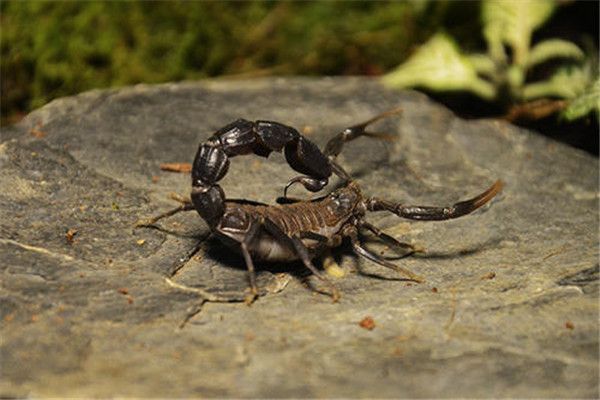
{"x": 509, "y": 307}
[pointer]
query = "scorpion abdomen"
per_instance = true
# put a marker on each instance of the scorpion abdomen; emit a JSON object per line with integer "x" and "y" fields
{"x": 299, "y": 217}
{"x": 292, "y": 219}
{"x": 323, "y": 216}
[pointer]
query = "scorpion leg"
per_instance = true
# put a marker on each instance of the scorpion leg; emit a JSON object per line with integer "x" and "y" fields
{"x": 295, "y": 244}
{"x": 351, "y": 232}
{"x": 426, "y": 213}
{"x": 151, "y": 221}
{"x": 179, "y": 198}
{"x": 322, "y": 241}
{"x": 406, "y": 247}
{"x": 302, "y": 252}
{"x": 249, "y": 234}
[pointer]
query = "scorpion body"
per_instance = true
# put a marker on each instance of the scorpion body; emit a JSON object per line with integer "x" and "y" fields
{"x": 323, "y": 219}
{"x": 303, "y": 229}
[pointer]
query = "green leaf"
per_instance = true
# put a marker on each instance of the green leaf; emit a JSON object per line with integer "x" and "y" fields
{"x": 482, "y": 63}
{"x": 512, "y": 22}
{"x": 438, "y": 65}
{"x": 567, "y": 82}
{"x": 584, "y": 104}
{"x": 553, "y": 48}
{"x": 515, "y": 77}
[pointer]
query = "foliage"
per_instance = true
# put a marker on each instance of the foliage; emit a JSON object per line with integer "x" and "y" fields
{"x": 54, "y": 49}
{"x": 585, "y": 103}
{"x": 500, "y": 75}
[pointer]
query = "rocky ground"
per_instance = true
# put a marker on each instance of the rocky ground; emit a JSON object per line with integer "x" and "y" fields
{"x": 93, "y": 307}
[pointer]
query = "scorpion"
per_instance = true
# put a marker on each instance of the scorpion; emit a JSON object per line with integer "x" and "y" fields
{"x": 298, "y": 230}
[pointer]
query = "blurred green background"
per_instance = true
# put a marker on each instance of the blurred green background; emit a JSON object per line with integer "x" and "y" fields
{"x": 52, "y": 49}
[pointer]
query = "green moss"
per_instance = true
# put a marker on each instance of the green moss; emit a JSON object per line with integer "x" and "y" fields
{"x": 54, "y": 49}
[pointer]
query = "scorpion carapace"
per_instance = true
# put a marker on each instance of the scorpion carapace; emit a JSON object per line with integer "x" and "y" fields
{"x": 300, "y": 230}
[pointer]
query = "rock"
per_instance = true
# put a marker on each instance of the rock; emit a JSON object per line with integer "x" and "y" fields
{"x": 93, "y": 307}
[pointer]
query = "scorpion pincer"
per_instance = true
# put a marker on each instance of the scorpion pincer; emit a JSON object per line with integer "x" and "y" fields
{"x": 303, "y": 229}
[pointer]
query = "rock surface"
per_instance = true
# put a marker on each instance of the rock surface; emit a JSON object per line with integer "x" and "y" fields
{"x": 92, "y": 307}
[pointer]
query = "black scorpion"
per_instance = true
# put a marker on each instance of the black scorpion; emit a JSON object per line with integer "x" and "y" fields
{"x": 303, "y": 229}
